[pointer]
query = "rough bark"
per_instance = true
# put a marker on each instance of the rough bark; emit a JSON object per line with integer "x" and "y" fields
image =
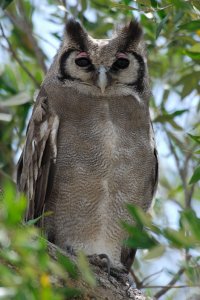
{"x": 105, "y": 289}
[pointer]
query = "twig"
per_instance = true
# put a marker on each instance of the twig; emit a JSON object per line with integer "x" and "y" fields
{"x": 150, "y": 276}
{"x": 29, "y": 31}
{"x": 170, "y": 285}
{"x": 188, "y": 192}
{"x": 138, "y": 283}
{"x": 145, "y": 10}
{"x": 12, "y": 51}
{"x": 44, "y": 40}
{"x": 26, "y": 27}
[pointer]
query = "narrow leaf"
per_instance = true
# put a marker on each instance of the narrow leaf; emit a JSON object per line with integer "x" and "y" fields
{"x": 191, "y": 26}
{"x": 168, "y": 117}
{"x": 196, "y": 3}
{"x": 155, "y": 252}
{"x": 19, "y": 99}
{"x": 161, "y": 25}
{"x": 34, "y": 221}
{"x": 68, "y": 264}
{"x": 5, "y": 117}
{"x": 196, "y": 175}
{"x": 196, "y": 138}
{"x": 154, "y": 3}
{"x": 5, "y": 3}
{"x": 84, "y": 267}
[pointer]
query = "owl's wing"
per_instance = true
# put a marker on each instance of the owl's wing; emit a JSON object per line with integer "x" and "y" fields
{"x": 36, "y": 164}
{"x": 128, "y": 254}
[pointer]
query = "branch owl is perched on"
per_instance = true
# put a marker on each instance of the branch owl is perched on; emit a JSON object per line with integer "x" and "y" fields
{"x": 90, "y": 147}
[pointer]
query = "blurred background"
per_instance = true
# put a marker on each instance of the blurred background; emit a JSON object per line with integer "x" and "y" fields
{"x": 30, "y": 34}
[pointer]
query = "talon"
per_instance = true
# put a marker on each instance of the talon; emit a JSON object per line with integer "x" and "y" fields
{"x": 102, "y": 256}
{"x": 119, "y": 273}
{"x": 97, "y": 260}
{"x": 70, "y": 250}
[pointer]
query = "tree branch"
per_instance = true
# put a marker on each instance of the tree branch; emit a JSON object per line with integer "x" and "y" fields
{"x": 138, "y": 283}
{"x": 170, "y": 285}
{"x": 105, "y": 288}
{"x": 188, "y": 192}
{"x": 150, "y": 276}
{"x": 26, "y": 27}
{"x": 14, "y": 54}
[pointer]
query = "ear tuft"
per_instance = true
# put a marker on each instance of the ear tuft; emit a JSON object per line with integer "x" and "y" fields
{"x": 76, "y": 33}
{"x": 132, "y": 33}
{"x": 133, "y": 30}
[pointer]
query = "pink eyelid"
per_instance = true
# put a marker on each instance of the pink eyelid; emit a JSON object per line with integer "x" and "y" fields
{"x": 121, "y": 55}
{"x": 82, "y": 54}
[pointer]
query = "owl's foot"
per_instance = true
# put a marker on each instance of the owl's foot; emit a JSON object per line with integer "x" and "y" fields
{"x": 100, "y": 260}
{"x": 69, "y": 249}
{"x": 103, "y": 261}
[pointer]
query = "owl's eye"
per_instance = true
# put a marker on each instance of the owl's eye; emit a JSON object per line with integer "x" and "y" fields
{"x": 82, "y": 62}
{"x": 121, "y": 63}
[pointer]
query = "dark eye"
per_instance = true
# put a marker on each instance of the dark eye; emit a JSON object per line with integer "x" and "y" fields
{"x": 121, "y": 63}
{"x": 82, "y": 62}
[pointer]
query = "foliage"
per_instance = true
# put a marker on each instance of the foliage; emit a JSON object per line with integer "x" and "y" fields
{"x": 145, "y": 234}
{"x": 172, "y": 34}
{"x": 26, "y": 269}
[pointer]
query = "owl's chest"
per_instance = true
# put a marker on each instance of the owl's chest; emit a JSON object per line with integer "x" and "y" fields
{"x": 100, "y": 136}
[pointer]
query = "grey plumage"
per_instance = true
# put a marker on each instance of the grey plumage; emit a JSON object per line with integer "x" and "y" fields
{"x": 90, "y": 145}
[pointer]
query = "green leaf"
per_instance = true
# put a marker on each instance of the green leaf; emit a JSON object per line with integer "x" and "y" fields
{"x": 168, "y": 117}
{"x": 140, "y": 217}
{"x": 189, "y": 83}
{"x": 18, "y": 99}
{"x": 154, "y": 3}
{"x": 196, "y": 175}
{"x": 195, "y": 48}
{"x": 84, "y": 267}
{"x": 155, "y": 252}
{"x": 5, "y": 117}
{"x": 71, "y": 293}
{"x": 192, "y": 54}
{"x": 34, "y": 221}
{"x": 196, "y": 3}
{"x": 5, "y": 3}
{"x": 161, "y": 26}
{"x": 175, "y": 125}
{"x": 84, "y": 5}
{"x": 196, "y": 138}
{"x": 68, "y": 264}
{"x": 122, "y": 6}
{"x": 190, "y": 222}
{"x": 140, "y": 239}
{"x": 180, "y": 239}
{"x": 191, "y": 26}
{"x": 10, "y": 200}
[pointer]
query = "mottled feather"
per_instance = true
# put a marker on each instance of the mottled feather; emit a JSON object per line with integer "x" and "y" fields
{"x": 37, "y": 157}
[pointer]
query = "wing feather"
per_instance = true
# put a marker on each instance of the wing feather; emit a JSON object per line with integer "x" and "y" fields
{"x": 34, "y": 167}
{"x": 128, "y": 254}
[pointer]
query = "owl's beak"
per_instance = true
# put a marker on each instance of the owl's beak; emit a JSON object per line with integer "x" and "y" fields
{"x": 102, "y": 81}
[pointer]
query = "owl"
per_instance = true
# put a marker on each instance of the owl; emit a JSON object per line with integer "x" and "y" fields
{"x": 89, "y": 146}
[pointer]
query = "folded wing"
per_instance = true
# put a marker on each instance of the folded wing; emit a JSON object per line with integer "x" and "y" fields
{"x": 36, "y": 164}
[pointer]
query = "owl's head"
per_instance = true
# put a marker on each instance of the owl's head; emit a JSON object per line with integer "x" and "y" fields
{"x": 103, "y": 66}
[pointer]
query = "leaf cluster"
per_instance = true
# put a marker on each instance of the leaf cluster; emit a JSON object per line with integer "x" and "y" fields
{"x": 26, "y": 269}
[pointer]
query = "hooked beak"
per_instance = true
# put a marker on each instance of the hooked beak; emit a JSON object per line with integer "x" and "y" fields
{"x": 102, "y": 81}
